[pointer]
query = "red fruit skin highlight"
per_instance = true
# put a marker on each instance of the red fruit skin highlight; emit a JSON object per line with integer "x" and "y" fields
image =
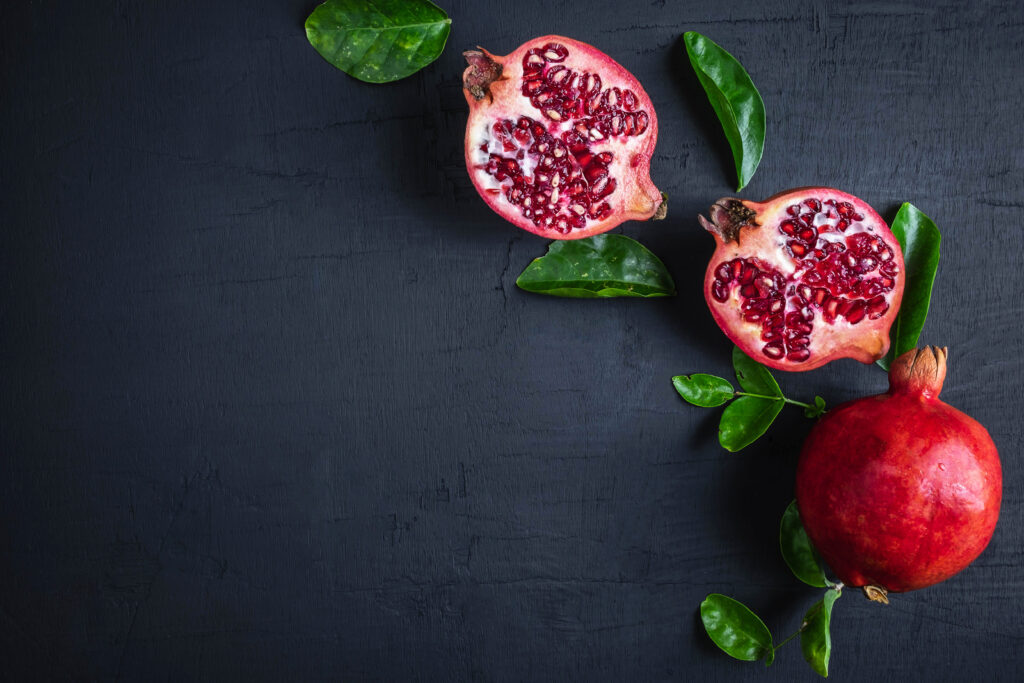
{"x": 900, "y": 491}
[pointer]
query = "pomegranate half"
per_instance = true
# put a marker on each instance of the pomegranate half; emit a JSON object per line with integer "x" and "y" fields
{"x": 899, "y": 491}
{"x": 805, "y": 277}
{"x": 559, "y": 138}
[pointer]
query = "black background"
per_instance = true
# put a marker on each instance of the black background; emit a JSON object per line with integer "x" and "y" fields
{"x": 273, "y": 408}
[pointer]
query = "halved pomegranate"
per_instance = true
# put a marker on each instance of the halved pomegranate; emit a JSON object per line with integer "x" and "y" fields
{"x": 805, "y": 277}
{"x": 559, "y": 138}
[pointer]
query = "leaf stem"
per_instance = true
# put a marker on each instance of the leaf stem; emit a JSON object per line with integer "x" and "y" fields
{"x": 776, "y": 647}
{"x": 776, "y": 398}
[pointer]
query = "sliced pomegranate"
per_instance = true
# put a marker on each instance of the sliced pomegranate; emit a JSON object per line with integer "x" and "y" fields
{"x": 559, "y": 138}
{"x": 803, "y": 278}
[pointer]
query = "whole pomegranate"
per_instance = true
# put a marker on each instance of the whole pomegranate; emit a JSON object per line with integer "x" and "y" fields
{"x": 805, "y": 277}
{"x": 899, "y": 491}
{"x": 559, "y": 138}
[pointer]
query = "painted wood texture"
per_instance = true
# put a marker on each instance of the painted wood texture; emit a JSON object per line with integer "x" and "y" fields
{"x": 273, "y": 408}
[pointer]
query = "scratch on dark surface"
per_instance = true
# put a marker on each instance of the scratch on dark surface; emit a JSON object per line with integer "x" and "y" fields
{"x": 973, "y": 627}
{"x": 504, "y": 269}
{"x": 249, "y": 169}
{"x": 263, "y": 206}
{"x": 417, "y": 584}
{"x": 342, "y": 256}
{"x": 341, "y": 124}
{"x": 249, "y": 281}
{"x": 1003, "y": 203}
{"x": 159, "y": 554}
{"x": 462, "y": 481}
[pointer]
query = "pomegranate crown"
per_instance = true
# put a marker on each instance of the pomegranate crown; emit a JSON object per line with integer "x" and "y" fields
{"x": 919, "y": 371}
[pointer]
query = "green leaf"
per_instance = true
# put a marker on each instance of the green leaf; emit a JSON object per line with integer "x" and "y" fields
{"x": 706, "y": 391}
{"x": 816, "y": 410}
{"x": 815, "y": 638}
{"x": 797, "y": 550}
{"x": 378, "y": 41}
{"x": 735, "y": 629}
{"x": 601, "y": 266}
{"x": 754, "y": 377}
{"x": 734, "y": 98}
{"x": 920, "y": 240}
{"x": 746, "y": 419}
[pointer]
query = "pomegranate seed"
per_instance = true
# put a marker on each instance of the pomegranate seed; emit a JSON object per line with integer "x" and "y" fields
{"x": 723, "y": 273}
{"x": 642, "y": 121}
{"x": 609, "y": 187}
{"x": 773, "y": 350}
{"x": 719, "y": 291}
{"x": 765, "y": 285}
{"x": 788, "y": 227}
{"x": 877, "y": 307}
{"x": 798, "y": 355}
{"x": 855, "y": 313}
{"x": 813, "y": 204}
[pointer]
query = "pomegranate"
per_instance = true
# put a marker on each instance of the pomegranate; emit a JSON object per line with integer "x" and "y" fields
{"x": 805, "y": 277}
{"x": 899, "y": 491}
{"x": 559, "y": 138}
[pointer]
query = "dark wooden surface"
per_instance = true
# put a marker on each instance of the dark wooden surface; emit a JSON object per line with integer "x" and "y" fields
{"x": 273, "y": 408}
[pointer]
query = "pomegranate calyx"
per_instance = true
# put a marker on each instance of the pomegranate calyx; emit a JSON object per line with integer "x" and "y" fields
{"x": 728, "y": 216}
{"x": 482, "y": 71}
{"x": 662, "y": 211}
{"x": 876, "y": 594}
{"x": 919, "y": 371}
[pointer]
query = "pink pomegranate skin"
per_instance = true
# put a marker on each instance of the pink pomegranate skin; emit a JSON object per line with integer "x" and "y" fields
{"x": 900, "y": 490}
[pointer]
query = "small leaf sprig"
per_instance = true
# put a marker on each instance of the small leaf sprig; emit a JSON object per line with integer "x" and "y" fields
{"x": 735, "y": 100}
{"x": 743, "y": 635}
{"x": 378, "y": 41}
{"x": 602, "y": 266}
{"x": 920, "y": 240}
{"x": 752, "y": 410}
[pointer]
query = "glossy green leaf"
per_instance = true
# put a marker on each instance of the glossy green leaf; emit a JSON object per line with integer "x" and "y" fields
{"x": 378, "y": 41}
{"x": 815, "y": 638}
{"x": 816, "y": 410}
{"x": 706, "y": 391}
{"x": 745, "y": 420}
{"x": 601, "y": 266}
{"x": 735, "y": 629}
{"x": 752, "y": 376}
{"x": 735, "y": 100}
{"x": 797, "y": 551}
{"x": 920, "y": 239}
